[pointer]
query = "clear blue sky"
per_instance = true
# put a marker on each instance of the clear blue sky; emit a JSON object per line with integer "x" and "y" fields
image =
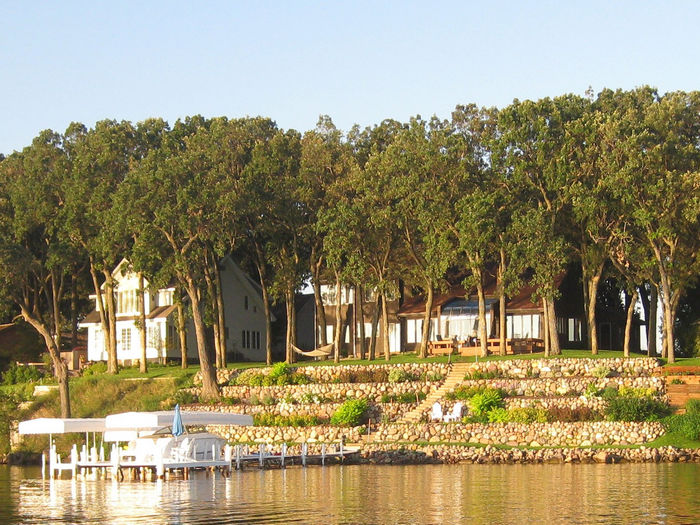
{"x": 359, "y": 62}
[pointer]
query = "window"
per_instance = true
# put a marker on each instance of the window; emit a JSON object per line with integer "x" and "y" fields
{"x": 245, "y": 302}
{"x": 574, "y": 330}
{"x": 170, "y": 338}
{"x": 126, "y": 339}
{"x": 414, "y": 330}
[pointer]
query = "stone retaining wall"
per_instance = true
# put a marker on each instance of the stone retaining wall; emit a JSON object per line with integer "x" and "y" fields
{"x": 419, "y": 454}
{"x": 377, "y": 412}
{"x": 558, "y": 367}
{"x": 318, "y": 434}
{"x": 329, "y": 391}
{"x": 580, "y": 434}
{"x": 594, "y": 403}
{"x": 541, "y": 387}
{"x": 331, "y": 373}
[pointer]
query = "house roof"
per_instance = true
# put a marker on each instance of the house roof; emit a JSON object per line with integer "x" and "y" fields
{"x": 159, "y": 312}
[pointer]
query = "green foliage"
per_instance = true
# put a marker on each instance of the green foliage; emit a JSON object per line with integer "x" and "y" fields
{"x": 640, "y": 392}
{"x": 184, "y": 397}
{"x": 572, "y": 415}
{"x": 688, "y": 425}
{"x": 21, "y": 374}
{"x": 8, "y": 412}
{"x": 692, "y": 406}
{"x": 97, "y": 368}
{"x": 483, "y": 402}
{"x": 466, "y": 392}
{"x": 479, "y": 374}
{"x": 399, "y": 375}
{"x": 294, "y": 420}
{"x": 351, "y": 413}
{"x": 601, "y": 372}
{"x": 517, "y": 415}
{"x": 635, "y": 409}
{"x": 280, "y": 369}
{"x": 434, "y": 376}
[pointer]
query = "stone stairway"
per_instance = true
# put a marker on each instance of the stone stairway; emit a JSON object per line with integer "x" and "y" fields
{"x": 456, "y": 376}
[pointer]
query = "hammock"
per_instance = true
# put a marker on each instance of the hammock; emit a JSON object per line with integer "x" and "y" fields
{"x": 323, "y": 351}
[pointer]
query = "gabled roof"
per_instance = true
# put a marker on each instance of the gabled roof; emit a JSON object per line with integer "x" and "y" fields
{"x": 159, "y": 312}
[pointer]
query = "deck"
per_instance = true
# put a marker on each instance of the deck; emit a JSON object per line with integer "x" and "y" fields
{"x": 513, "y": 346}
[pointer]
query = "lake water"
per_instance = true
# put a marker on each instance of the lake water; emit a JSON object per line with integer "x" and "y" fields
{"x": 628, "y": 493}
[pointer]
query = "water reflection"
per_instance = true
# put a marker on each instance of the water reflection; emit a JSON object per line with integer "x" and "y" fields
{"x": 651, "y": 493}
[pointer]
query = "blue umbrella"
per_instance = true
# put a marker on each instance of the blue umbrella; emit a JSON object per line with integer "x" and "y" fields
{"x": 178, "y": 427}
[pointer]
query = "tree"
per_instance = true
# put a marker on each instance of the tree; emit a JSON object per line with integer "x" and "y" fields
{"x": 34, "y": 250}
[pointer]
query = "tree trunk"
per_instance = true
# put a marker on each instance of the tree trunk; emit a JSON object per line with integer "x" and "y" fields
{"x": 668, "y": 314}
{"x": 483, "y": 335}
{"x": 592, "y": 330}
{"x": 211, "y": 293}
{"x": 338, "y": 318}
{"x": 385, "y": 328}
{"x": 628, "y": 322}
{"x": 360, "y": 300}
{"x": 554, "y": 348}
{"x": 143, "y": 367}
{"x": 112, "y": 362}
{"x": 291, "y": 323}
{"x": 545, "y": 327}
{"x": 221, "y": 319}
{"x": 502, "y": 330}
{"x": 652, "y": 321}
{"x": 210, "y": 389}
{"x": 104, "y": 322}
{"x": 182, "y": 334}
{"x": 59, "y": 366}
{"x": 320, "y": 311}
{"x": 375, "y": 329}
{"x": 425, "y": 336}
{"x": 74, "y": 311}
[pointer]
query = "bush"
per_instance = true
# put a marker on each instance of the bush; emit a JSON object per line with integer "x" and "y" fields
{"x": 517, "y": 415}
{"x": 100, "y": 367}
{"x": 399, "y": 375}
{"x": 483, "y": 402}
{"x": 184, "y": 397}
{"x": 434, "y": 377}
{"x": 688, "y": 425}
{"x": 300, "y": 379}
{"x": 351, "y": 413}
{"x": 249, "y": 377}
{"x": 465, "y": 393}
{"x": 628, "y": 391}
{"x": 21, "y": 374}
{"x": 601, "y": 372}
{"x": 478, "y": 374}
{"x": 622, "y": 408}
{"x": 279, "y": 370}
{"x": 406, "y": 397}
{"x": 572, "y": 415}
{"x": 692, "y": 407}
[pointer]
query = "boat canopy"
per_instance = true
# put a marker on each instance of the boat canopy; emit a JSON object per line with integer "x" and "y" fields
{"x": 155, "y": 420}
{"x": 53, "y": 425}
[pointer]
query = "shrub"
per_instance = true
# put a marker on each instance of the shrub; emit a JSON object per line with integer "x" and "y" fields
{"x": 677, "y": 381}
{"x": 20, "y": 374}
{"x": 406, "y": 397}
{"x": 465, "y": 392}
{"x": 478, "y": 374}
{"x": 351, "y": 413}
{"x": 571, "y": 415}
{"x": 268, "y": 400}
{"x": 280, "y": 369}
{"x": 249, "y": 377}
{"x": 601, "y": 371}
{"x": 300, "y": 379}
{"x": 434, "y": 377}
{"x": 399, "y": 375}
{"x": 688, "y": 425}
{"x": 482, "y": 402}
{"x": 100, "y": 367}
{"x": 692, "y": 407}
{"x": 184, "y": 397}
{"x": 622, "y": 408}
{"x": 593, "y": 391}
{"x": 627, "y": 391}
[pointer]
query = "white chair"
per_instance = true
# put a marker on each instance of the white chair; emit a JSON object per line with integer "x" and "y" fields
{"x": 436, "y": 412}
{"x": 456, "y": 414}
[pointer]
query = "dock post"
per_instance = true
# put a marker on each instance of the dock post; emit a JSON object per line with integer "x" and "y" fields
{"x": 238, "y": 457}
{"x": 284, "y": 451}
{"x": 114, "y": 459}
{"x": 304, "y": 450}
{"x": 74, "y": 459}
{"x": 43, "y": 466}
{"x": 261, "y": 455}
{"x": 160, "y": 469}
{"x": 323, "y": 454}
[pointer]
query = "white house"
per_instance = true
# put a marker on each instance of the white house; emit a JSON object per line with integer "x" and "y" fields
{"x": 244, "y": 317}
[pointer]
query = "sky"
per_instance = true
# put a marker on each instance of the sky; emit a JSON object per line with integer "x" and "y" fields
{"x": 358, "y": 62}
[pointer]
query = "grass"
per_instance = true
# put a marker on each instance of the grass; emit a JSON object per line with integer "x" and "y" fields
{"x": 683, "y": 361}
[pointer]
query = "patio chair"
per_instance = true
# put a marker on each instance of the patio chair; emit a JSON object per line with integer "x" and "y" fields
{"x": 436, "y": 412}
{"x": 456, "y": 413}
